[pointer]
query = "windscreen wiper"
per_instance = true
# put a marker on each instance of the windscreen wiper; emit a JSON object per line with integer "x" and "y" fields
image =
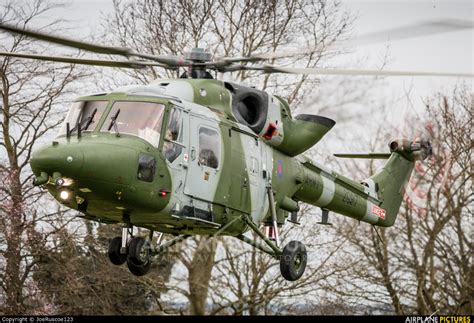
{"x": 113, "y": 123}
{"x": 87, "y": 120}
{"x": 90, "y": 119}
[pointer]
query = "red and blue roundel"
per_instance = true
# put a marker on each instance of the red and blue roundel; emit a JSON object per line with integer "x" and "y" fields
{"x": 280, "y": 168}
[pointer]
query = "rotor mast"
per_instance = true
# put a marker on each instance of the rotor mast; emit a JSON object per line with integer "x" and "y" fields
{"x": 197, "y": 70}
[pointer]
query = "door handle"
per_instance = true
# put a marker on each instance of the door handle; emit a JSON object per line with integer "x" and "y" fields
{"x": 193, "y": 153}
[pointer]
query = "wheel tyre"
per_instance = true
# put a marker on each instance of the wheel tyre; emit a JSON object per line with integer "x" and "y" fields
{"x": 138, "y": 270}
{"x": 293, "y": 260}
{"x": 139, "y": 251}
{"x": 115, "y": 256}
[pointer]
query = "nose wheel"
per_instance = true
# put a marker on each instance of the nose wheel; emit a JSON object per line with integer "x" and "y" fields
{"x": 115, "y": 255}
{"x": 137, "y": 255}
{"x": 138, "y": 259}
{"x": 137, "y": 252}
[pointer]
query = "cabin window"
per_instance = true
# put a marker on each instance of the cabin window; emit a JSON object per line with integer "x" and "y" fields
{"x": 209, "y": 147}
{"x": 146, "y": 168}
{"x": 84, "y": 114}
{"x": 172, "y": 147}
{"x": 142, "y": 119}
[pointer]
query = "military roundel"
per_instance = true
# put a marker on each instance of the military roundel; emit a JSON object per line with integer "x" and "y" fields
{"x": 280, "y": 168}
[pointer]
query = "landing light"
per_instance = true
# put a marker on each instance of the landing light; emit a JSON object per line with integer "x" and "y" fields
{"x": 64, "y": 195}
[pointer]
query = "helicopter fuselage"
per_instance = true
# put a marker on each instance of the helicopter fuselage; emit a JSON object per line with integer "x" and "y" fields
{"x": 174, "y": 157}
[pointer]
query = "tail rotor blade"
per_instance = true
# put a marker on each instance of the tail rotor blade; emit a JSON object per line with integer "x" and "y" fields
{"x": 364, "y": 155}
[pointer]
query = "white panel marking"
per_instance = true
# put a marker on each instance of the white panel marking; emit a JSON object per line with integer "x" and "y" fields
{"x": 328, "y": 192}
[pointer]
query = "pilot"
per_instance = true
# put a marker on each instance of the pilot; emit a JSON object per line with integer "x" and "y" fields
{"x": 168, "y": 146}
{"x": 171, "y": 150}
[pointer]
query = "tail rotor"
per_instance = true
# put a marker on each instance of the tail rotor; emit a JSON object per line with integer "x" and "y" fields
{"x": 424, "y": 147}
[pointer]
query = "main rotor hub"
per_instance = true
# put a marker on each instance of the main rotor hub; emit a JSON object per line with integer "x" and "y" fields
{"x": 198, "y": 55}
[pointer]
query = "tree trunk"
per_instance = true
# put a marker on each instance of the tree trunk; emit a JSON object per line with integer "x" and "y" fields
{"x": 14, "y": 211}
{"x": 199, "y": 275}
{"x": 13, "y": 280}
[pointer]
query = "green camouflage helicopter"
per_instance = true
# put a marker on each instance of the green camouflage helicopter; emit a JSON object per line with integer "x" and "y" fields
{"x": 199, "y": 156}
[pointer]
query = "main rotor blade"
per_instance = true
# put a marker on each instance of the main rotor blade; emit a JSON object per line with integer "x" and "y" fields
{"x": 226, "y": 61}
{"x": 405, "y": 32}
{"x": 68, "y": 42}
{"x": 412, "y": 31}
{"x": 328, "y": 71}
{"x": 170, "y": 60}
{"x": 321, "y": 71}
{"x": 84, "y": 61}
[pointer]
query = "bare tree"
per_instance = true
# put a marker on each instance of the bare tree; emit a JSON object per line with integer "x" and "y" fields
{"x": 424, "y": 263}
{"x": 31, "y": 93}
{"x": 76, "y": 277}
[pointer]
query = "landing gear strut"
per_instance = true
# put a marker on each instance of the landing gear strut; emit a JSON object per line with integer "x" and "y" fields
{"x": 137, "y": 251}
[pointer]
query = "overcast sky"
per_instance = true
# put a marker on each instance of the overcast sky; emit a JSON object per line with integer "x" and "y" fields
{"x": 445, "y": 52}
{"x": 452, "y": 51}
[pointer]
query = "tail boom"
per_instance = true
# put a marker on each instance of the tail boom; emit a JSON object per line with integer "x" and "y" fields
{"x": 376, "y": 200}
{"x": 334, "y": 192}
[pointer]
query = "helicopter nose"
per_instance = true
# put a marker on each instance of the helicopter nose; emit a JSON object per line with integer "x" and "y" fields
{"x": 84, "y": 160}
{"x": 57, "y": 158}
{"x": 108, "y": 163}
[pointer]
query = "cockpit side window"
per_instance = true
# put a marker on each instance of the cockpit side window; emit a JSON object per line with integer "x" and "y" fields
{"x": 209, "y": 147}
{"x": 174, "y": 135}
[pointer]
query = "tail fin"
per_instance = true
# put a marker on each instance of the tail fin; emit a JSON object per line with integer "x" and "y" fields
{"x": 391, "y": 181}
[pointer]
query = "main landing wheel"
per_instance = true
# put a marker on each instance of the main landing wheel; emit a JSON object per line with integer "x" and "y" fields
{"x": 293, "y": 260}
{"x": 115, "y": 256}
{"x": 138, "y": 260}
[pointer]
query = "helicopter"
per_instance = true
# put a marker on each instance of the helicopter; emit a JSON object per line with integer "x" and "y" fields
{"x": 199, "y": 156}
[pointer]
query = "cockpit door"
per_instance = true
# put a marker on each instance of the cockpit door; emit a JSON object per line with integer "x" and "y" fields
{"x": 205, "y": 149}
{"x": 176, "y": 146}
